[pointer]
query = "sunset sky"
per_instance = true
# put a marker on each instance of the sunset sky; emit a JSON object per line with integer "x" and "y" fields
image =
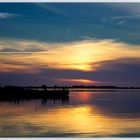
{"x": 70, "y": 44}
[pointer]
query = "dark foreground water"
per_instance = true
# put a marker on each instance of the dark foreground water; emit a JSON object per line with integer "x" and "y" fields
{"x": 85, "y": 114}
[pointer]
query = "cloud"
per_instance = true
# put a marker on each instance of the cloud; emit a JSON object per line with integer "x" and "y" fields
{"x": 10, "y": 46}
{"x": 114, "y": 72}
{"x": 7, "y": 15}
{"x": 100, "y": 61}
{"x": 128, "y": 8}
{"x": 126, "y": 17}
{"x": 75, "y": 55}
{"x": 119, "y": 20}
{"x": 122, "y": 72}
{"x": 52, "y": 8}
{"x": 86, "y": 37}
{"x": 9, "y": 50}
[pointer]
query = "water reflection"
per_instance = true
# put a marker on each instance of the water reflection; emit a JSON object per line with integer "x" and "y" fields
{"x": 58, "y": 101}
{"x": 84, "y": 115}
{"x": 42, "y": 101}
{"x": 117, "y": 102}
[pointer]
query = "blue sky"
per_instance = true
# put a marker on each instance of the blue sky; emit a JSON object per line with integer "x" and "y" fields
{"x": 64, "y": 22}
{"x": 34, "y": 35}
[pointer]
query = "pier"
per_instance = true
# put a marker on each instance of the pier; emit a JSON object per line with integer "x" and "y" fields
{"x": 33, "y": 92}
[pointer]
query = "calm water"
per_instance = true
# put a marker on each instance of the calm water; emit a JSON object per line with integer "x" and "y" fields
{"x": 85, "y": 114}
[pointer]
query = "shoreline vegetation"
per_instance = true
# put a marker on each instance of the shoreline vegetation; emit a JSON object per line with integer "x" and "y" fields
{"x": 56, "y": 87}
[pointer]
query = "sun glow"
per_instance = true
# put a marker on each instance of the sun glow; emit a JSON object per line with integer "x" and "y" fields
{"x": 78, "y": 81}
{"x": 85, "y": 55}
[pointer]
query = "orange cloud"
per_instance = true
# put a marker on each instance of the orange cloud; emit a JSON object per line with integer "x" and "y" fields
{"x": 78, "y": 81}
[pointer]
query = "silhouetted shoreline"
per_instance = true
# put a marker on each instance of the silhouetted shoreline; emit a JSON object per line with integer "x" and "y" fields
{"x": 44, "y": 92}
{"x": 57, "y": 87}
{"x": 105, "y": 87}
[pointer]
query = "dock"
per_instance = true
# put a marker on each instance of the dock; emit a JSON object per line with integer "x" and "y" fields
{"x": 43, "y": 92}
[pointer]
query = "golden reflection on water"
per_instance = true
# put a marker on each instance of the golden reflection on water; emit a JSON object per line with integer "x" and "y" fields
{"x": 76, "y": 121}
{"x": 85, "y": 96}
